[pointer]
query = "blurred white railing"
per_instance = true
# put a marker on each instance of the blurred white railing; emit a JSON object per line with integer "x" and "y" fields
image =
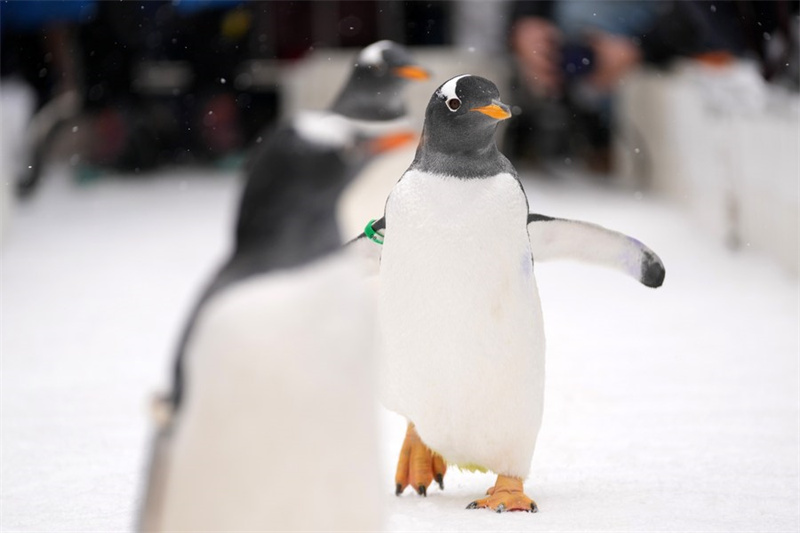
{"x": 723, "y": 143}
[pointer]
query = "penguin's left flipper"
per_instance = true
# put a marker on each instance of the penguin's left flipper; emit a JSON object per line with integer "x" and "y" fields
{"x": 558, "y": 238}
{"x": 368, "y": 245}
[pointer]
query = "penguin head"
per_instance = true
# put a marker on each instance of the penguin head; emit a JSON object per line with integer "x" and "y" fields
{"x": 463, "y": 114}
{"x": 458, "y": 134}
{"x": 389, "y": 61}
{"x": 374, "y": 91}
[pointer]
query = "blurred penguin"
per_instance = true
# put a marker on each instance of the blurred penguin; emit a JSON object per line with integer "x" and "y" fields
{"x": 374, "y": 97}
{"x": 373, "y": 101}
{"x": 374, "y": 93}
{"x": 270, "y": 424}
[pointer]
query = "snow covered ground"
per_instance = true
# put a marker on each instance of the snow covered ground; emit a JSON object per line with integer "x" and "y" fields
{"x": 674, "y": 409}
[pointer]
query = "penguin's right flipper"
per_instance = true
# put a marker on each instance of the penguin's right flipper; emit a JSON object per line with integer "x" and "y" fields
{"x": 368, "y": 245}
{"x": 557, "y": 238}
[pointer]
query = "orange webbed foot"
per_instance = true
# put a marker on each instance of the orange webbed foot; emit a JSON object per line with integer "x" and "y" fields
{"x": 506, "y": 495}
{"x": 418, "y": 465}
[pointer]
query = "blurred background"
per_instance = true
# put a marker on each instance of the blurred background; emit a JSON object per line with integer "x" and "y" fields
{"x": 125, "y": 126}
{"x": 687, "y": 99}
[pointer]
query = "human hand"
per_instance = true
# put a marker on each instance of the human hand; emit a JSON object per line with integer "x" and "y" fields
{"x": 614, "y": 57}
{"x": 536, "y": 43}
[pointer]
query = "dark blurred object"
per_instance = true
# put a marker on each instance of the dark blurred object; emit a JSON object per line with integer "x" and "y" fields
{"x": 577, "y": 60}
{"x": 570, "y": 56}
{"x": 37, "y": 44}
{"x": 160, "y": 82}
{"x": 565, "y": 90}
{"x": 428, "y": 23}
{"x": 762, "y": 30}
{"x": 166, "y": 71}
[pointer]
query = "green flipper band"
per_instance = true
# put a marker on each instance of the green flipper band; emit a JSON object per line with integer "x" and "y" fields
{"x": 371, "y": 234}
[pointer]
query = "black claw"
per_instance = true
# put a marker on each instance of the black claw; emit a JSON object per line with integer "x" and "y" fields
{"x": 501, "y": 508}
{"x": 534, "y": 508}
{"x": 422, "y": 490}
{"x": 473, "y": 505}
{"x": 398, "y": 490}
{"x": 440, "y": 481}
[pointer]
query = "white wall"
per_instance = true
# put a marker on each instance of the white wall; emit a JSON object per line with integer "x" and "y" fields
{"x": 721, "y": 142}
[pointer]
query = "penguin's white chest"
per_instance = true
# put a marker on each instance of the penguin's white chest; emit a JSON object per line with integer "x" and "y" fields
{"x": 277, "y": 404}
{"x": 460, "y": 319}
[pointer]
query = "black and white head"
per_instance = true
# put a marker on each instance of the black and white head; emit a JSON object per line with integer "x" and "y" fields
{"x": 387, "y": 59}
{"x": 460, "y": 123}
{"x": 375, "y": 89}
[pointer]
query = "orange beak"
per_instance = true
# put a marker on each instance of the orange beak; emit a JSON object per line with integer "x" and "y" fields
{"x": 411, "y": 72}
{"x": 391, "y": 141}
{"x": 497, "y": 111}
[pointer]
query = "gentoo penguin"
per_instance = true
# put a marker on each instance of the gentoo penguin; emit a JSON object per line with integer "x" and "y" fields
{"x": 372, "y": 99}
{"x": 460, "y": 321}
{"x": 267, "y": 428}
{"x": 374, "y": 92}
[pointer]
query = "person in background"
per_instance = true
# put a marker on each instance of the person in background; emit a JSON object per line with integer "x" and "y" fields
{"x": 571, "y": 55}
{"x": 38, "y": 49}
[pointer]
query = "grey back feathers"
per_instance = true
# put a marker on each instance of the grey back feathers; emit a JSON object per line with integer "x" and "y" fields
{"x": 292, "y": 189}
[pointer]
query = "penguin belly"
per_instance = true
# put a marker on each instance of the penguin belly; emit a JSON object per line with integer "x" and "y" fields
{"x": 276, "y": 430}
{"x": 462, "y": 341}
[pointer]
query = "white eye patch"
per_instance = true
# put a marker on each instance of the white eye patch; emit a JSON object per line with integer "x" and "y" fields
{"x": 325, "y": 129}
{"x": 373, "y": 54}
{"x": 448, "y": 90}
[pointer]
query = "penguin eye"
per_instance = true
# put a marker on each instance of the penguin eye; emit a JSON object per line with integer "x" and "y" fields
{"x": 454, "y": 104}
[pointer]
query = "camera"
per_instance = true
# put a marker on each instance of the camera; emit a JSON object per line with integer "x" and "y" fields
{"x": 577, "y": 60}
